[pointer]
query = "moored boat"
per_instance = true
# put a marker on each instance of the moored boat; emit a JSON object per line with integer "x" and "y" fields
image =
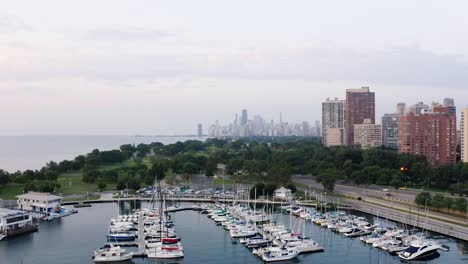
{"x": 111, "y": 253}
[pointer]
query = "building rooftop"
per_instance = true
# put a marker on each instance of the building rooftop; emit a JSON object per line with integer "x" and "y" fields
{"x": 39, "y": 196}
{"x": 7, "y": 212}
{"x": 359, "y": 90}
{"x": 282, "y": 189}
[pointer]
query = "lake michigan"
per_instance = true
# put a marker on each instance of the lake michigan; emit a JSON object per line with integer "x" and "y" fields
{"x": 33, "y": 152}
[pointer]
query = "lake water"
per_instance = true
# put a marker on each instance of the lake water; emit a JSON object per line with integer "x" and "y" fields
{"x": 71, "y": 240}
{"x": 32, "y": 152}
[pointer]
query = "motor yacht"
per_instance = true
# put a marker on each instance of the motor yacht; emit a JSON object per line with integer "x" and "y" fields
{"x": 419, "y": 250}
{"x": 304, "y": 246}
{"x": 120, "y": 236}
{"x": 111, "y": 253}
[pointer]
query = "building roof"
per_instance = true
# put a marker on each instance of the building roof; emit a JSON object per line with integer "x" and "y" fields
{"x": 282, "y": 189}
{"x": 7, "y": 212}
{"x": 39, "y": 196}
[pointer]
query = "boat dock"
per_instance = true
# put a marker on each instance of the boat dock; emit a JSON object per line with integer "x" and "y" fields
{"x": 419, "y": 220}
{"x": 435, "y": 225}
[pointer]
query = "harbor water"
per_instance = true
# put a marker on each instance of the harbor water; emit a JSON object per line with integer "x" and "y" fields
{"x": 73, "y": 239}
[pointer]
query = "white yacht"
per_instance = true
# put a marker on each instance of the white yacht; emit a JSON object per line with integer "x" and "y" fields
{"x": 279, "y": 254}
{"x": 242, "y": 232}
{"x": 304, "y": 246}
{"x": 111, "y": 253}
{"x": 419, "y": 250}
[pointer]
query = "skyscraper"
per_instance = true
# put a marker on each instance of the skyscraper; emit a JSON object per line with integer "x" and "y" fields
{"x": 401, "y": 109}
{"x": 432, "y": 134}
{"x": 200, "y": 130}
{"x": 464, "y": 135}
{"x": 244, "y": 117}
{"x": 368, "y": 135}
{"x": 449, "y": 102}
{"x": 333, "y": 118}
{"x": 390, "y": 130}
{"x": 419, "y": 108}
{"x": 360, "y": 105}
{"x": 318, "y": 129}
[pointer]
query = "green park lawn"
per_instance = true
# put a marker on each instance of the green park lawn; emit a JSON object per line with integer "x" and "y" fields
{"x": 9, "y": 191}
{"x": 220, "y": 182}
{"x": 71, "y": 183}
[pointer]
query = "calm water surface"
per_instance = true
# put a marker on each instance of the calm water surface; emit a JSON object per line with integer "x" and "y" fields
{"x": 33, "y": 152}
{"x": 73, "y": 239}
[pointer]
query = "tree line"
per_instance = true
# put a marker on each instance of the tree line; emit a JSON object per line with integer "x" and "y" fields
{"x": 265, "y": 159}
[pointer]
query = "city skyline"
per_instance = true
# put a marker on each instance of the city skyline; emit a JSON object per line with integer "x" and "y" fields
{"x": 173, "y": 67}
{"x": 244, "y": 126}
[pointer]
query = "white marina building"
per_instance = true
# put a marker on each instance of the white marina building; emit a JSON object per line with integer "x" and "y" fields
{"x": 283, "y": 194}
{"x": 39, "y": 202}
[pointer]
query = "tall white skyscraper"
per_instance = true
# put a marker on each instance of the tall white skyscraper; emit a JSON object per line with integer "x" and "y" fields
{"x": 333, "y": 122}
{"x": 200, "y": 130}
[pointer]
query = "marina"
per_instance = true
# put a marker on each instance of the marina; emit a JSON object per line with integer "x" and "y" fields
{"x": 75, "y": 238}
{"x": 440, "y": 227}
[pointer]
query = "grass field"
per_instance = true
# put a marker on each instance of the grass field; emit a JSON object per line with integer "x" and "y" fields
{"x": 220, "y": 182}
{"x": 10, "y": 191}
{"x": 71, "y": 183}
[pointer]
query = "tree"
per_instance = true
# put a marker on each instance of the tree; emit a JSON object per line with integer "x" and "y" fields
{"x": 269, "y": 189}
{"x": 158, "y": 169}
{"x": 396, "y": 181}
{"x": 121, "y": 185}
{"x": 171, "y": 178}
{"x": 328, "y": 183}
{"x": 358, "y": 177}
{"x": 134, "y": 183}
{"x": 188, "y": 169}
{"x": 423, "y": 198}
{"x": 234, "y": 166}
{"x": 4, "y": 177}
{"x": 51, "y": 175}
{"x": 438, "y": 201}
{"x": 257, "y": 190}
{"x": 291, "y": 187}
{"x": 460, "y": 204}
{"x": 328, "y": 179}
{"x": 280, "y": 173}
{"x": 101, "y": 185}
{"x": 90, "y": 173}
{"x": 211, "y": 167}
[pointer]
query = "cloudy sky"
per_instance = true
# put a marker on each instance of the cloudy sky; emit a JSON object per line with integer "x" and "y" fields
{"x": 161, "y": 67}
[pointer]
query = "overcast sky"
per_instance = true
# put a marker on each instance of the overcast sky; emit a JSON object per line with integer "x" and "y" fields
{"x": 161, "y": 67}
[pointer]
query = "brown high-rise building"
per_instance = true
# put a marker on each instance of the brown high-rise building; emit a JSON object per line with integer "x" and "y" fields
{"x": 432, "y": 134}
{"x": 360, "y": 105}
